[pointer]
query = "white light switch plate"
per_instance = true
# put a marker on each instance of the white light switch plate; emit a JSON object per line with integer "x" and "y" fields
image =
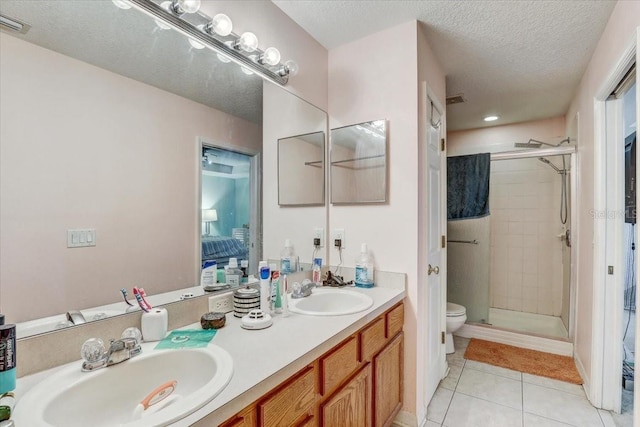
{"x": 80, "y": 238}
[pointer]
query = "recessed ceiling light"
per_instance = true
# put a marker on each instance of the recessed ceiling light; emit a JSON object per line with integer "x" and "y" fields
{"x": 490, "y": 118}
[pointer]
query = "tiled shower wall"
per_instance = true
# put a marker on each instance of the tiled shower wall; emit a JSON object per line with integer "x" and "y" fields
{"x": 526, "y": 249}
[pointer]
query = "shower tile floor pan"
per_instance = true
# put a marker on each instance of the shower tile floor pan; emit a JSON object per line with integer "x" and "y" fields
{"x": 538, "y": 324}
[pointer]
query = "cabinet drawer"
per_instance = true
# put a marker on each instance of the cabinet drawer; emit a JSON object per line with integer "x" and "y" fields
{"x": 338, "y": 365}
{"x": 292, "y": 400}
{"x": 372, "y": 339}
{"x": 395, "y": 320}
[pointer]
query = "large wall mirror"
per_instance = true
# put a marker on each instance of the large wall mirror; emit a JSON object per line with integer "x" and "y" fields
{"x": 101, "y": 111}
{"x": 359, "y": 163}
{"x": 301, "y": 170}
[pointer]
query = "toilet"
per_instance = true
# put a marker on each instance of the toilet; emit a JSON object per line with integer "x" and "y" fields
{"x": 456, "y": 316}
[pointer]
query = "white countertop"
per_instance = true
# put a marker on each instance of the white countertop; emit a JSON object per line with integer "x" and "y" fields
{"x": 264, "y": 358}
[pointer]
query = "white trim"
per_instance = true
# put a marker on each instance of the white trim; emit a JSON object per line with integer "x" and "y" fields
{"x": 583, "y": 374}
{"x": 516, "y": 339}
{"x": 614, "y": 244}
{"x": 599, "y": 353}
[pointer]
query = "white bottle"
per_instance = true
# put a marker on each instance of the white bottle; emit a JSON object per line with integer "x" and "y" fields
{"x": 265, "y": 286}
{"x": 233, "y": 273}
{"x": 364, "y": 268}
{"x": 209, "y": 277}
{"x": 288, "y": 259}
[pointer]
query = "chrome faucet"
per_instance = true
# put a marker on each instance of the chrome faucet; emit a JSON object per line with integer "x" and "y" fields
{"x": 97, "y": 357}
{"x": 304, "y": 290}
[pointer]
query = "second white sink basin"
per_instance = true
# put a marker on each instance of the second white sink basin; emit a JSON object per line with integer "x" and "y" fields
{"x": 109, "y": 396}
{"x": 331, "y": 302}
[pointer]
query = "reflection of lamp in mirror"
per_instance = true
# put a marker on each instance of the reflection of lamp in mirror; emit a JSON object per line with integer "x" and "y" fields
{"x": 209, "y": 216}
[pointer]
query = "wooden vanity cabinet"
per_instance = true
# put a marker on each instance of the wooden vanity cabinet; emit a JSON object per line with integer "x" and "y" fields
{"x": 358, "y": 383}
{"x": 350, "y": 406}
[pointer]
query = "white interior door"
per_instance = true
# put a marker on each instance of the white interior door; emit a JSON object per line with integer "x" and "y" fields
{"x": 434, "y": 303}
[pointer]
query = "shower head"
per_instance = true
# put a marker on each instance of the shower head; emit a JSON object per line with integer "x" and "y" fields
{"x": 545, "y": 160}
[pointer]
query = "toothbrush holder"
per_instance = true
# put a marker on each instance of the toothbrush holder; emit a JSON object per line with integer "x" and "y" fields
{"x": 155, "y": 324}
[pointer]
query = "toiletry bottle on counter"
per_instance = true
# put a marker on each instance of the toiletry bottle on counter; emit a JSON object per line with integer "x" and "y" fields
{"x": 275, "y": 278}
{"x": 265, "y": 286}
{"x": 316, "y": 275}
{"x": 364, "y": 268}
{"x": 288, "y": 259}
{"x": 233, "y": 273}
{"x": 244, "y": 266}
{"x": 7, "y": 356}
{"x": 209, "y": 277}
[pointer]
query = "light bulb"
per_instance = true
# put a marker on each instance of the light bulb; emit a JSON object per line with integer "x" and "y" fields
{"x": 122, "y": 4}
{"x": 223, "y": 58}
{"x": 490, "y": 118}
{"x": 220, "y": 24}
{"x": 271, "y": 56}
{"x": 292, "y": 67}
{"x": 185, "y": 6}
{"x": 248, "y": 42}
{"x": 195, "y": 44}
{"x": 247, "y": 71}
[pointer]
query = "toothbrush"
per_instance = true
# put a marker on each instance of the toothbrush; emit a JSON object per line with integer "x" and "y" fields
{"x": 143, "y": 294}
{"x": 141, "y": 303}
{"x": 124, "y": 295}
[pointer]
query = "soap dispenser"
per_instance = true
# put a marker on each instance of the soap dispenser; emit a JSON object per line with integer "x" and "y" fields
{"x": 364, "y": 268}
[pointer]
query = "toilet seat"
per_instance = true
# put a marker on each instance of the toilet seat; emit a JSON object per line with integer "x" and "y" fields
{"x": 454, "y": 310}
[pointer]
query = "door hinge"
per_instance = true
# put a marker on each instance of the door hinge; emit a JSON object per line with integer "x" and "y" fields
{"x": 610, "y": 269}
{"x": 442, "y": 337}
{"x": 444, "y": 242}
{"x": 443, "y": 144}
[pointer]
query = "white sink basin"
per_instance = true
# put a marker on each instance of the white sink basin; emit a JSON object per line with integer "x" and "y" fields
{"x": 109, "y": 396}
{"x": 331, "y": 302}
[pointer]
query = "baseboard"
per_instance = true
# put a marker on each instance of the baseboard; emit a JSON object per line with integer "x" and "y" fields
{"x": 405, "y": 419}
{"x": 583, "y": 374}
{"x": 563, "y": 348}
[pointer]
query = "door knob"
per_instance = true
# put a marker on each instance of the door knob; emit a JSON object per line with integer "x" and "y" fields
{"x": 435, "y": 270}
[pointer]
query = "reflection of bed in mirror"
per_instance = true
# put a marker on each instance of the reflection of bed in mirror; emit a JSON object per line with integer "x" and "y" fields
{"x": 221, "y": 248}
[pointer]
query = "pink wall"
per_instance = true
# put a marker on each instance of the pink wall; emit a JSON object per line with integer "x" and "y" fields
{"x": 286, "y": 115}
{"x": 85, "y": 148}
{"x": 362, "y": 88}
{"x": 619, "y": 33}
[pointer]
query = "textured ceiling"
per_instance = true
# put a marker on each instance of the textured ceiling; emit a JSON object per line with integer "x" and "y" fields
{"x": 129, "y": 43}
{"x": 522, "y": 60}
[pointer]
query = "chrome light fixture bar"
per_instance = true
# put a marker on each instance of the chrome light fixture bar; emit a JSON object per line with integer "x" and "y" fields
{"x": 278, "y": 74}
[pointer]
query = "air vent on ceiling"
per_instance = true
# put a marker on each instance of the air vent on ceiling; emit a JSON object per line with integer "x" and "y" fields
{"x": 14, "y": 25}
{"x": 455, "y": 99}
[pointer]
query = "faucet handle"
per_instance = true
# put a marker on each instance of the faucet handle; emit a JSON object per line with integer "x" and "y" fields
{"x": 94, "y": 354}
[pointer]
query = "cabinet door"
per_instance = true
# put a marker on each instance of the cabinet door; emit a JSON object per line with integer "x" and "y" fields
{"x": 293, "y": 400}
{"x": 388, "y": 382}
{"x": 351, "y": 405}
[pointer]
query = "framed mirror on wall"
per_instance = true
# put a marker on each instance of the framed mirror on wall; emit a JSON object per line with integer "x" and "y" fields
{"x": 301, "y": 170}
{"x": 100, "y": 123}
{"x": 359, "y": 163}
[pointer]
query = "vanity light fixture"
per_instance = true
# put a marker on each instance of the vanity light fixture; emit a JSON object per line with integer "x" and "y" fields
{"x": 490, "y": 118}
{"x": 216, "y": 34}
{"x": 180, "y": 7}
{"x": 220, "y": 24}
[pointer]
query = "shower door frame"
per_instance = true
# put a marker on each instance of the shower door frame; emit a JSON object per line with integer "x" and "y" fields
{"x": 573, "y": 217}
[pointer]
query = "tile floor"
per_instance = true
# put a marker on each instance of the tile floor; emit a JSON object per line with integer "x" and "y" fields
{"x": 482, "y": 395}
